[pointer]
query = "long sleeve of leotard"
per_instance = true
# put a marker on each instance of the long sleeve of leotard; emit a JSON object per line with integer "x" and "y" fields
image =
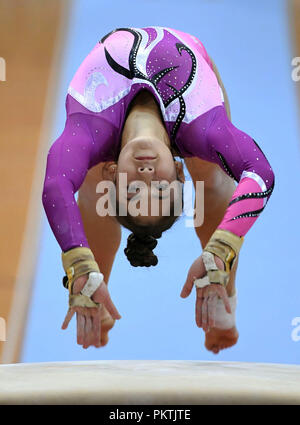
{"x": 86, "y": 140}
{"x": 242, "y": 159}
{"x": 68, "y": 161}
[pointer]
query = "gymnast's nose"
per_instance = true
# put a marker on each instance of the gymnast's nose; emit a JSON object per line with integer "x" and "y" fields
{"x": 147, "y": 170}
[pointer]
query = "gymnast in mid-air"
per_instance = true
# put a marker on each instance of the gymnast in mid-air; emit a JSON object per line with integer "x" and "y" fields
{"x": 142, "y": 99}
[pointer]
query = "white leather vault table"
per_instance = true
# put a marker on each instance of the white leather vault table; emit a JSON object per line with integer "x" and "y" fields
{"x": 149, "y": 382}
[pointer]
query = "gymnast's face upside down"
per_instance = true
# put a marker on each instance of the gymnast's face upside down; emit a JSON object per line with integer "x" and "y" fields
{"x": 152, "y": 175}
{"x": 147, "y": 174}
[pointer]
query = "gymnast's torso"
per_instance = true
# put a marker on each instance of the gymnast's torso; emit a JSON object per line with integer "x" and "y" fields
{"x": 172, "y": 65}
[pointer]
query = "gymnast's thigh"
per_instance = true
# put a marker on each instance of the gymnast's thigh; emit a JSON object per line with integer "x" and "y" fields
{"x": 209, "y": 172}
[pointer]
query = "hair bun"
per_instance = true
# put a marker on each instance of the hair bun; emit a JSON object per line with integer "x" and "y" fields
{"x": 139, "y": 250}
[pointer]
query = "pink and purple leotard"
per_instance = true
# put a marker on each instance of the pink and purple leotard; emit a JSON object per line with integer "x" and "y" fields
{"x": 175, "y": 67}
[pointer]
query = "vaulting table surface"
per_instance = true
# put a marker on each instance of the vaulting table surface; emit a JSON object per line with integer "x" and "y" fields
{"x": 149, "y": 382}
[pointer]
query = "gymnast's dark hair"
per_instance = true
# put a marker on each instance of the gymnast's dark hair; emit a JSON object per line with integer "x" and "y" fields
{"x": 143, "y": 239}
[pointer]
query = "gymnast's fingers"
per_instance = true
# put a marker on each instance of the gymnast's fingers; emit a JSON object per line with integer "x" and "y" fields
{"x": 204, "y": 314}
{"x": 80, "y": 328}
{"x": 88, "y": 332}
{"x": 96, "y": 325}
{"x": 212, "y": 305}
{"x": 68, "y": 318}
{"x": 199, "y": 301}
{"x": 223, "y": 294}
{"x": 102, "y": 296}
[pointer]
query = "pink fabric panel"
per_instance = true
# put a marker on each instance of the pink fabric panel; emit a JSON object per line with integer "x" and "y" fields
{"x": 241, "y": 226}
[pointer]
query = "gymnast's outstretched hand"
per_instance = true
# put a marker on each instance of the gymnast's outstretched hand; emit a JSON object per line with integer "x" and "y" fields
{"x": 89, "y": 318}
{"x": 207, "y": 297}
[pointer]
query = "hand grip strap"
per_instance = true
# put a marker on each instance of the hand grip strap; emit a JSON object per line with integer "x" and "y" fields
{"x": 77, "y": 262}
{"x": 226, "y": 245}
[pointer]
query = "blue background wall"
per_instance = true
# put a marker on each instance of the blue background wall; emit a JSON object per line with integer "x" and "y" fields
{"x": 250, "y": 42}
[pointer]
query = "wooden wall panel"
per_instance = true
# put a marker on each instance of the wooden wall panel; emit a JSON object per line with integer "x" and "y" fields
{"x": 29, "y": 33}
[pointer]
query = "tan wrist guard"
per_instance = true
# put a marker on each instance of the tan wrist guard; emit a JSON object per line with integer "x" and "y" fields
{"x": 81, "y": 301}
{"x": 77, "y": 262}
{"x": 226, "y": 245}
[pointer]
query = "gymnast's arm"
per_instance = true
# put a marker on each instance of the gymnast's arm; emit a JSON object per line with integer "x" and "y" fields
{"x": 241, "y": 158}
{"x": 69, "y": 159}
{"x": 68, "y": 162}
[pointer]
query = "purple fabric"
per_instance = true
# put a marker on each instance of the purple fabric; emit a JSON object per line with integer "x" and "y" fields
{"x": 214, "y": 138}
{"x": 213, "y": 132}
{"x": 85, "y": 141}
{"x": 167, "y": 53}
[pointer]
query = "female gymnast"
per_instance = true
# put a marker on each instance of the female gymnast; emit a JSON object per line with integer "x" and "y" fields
{"x": 141, "y": 98}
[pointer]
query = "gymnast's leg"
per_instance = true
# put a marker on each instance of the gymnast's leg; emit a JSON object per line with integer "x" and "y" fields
{"x": 218, "y": 190}
{"x": 103, "y": 235}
